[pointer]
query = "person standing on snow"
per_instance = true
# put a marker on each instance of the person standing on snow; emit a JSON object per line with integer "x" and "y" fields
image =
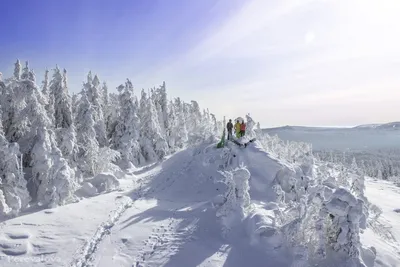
{"x": 229, "y": 127}
{"x": 237, "y": 128}
{"x": 242, "y": 129}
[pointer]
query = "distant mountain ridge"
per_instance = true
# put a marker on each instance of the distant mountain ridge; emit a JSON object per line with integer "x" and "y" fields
{"x": 390, "y": 125}
{"x": 375, "y": 126}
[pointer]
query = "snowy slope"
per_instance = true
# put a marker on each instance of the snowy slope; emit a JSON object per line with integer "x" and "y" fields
{"x": 384, "y": 234}
{"x": 167, "y": 215}
{"x": 173, "y": 218}
{"x": 175, "y": 225}
{"x": 53, "y": 237}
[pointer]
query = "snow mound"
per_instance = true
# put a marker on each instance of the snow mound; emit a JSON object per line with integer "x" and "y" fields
{"x": 103, "y": 182}
{"x": 262, "y": 228}
{"x": 87, "y": 190}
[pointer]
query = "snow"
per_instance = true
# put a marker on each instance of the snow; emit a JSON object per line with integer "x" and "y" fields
{"x": 166, "y": 215}
{"x": 101, "y": 179}
{"x": 384, "y": 233}
{"x": 172, "y": 217}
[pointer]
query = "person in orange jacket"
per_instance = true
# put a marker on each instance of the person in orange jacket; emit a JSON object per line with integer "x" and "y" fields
{"x": 242, "y": 129}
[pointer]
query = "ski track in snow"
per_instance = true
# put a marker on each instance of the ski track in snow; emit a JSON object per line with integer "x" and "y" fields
{"x": 86, "y": 254}
{"x": 164, "y": 240}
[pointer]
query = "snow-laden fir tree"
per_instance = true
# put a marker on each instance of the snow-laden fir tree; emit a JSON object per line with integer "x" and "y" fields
{"x": 62, "y": 100}
{"x": 25, "y": 71}
{"x": 34, "y": 125}
{"x": 14, "y": 195}
{"x": 181, "y": 132}
{"x": 126, "y": 135}
{"x": 106, "y": 106}
{"x": 156, "y": 99}
{"x": 88, "y": 147}
{"x": 63, "y": 115}
{"x": 56, "y": 186}
{"x": 163, "y": 101}
{"x": 17, "y": 70}
{"x": 153, "y": 145}
{"x": 94, "y": 94}
{"x": 113, "y": 115}
{"x": 194, "y": 117}
{"x": 45, "y": 84}
{"x": 173, "y": 123}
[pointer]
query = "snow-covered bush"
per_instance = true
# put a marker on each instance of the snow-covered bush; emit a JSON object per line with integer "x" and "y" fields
{"x": 292, "y": 152}
{"x": 236, "y": 199}
{"x": 346, "y": 217}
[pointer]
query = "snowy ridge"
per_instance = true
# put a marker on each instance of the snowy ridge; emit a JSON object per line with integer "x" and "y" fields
{"x": 234, "y": 206}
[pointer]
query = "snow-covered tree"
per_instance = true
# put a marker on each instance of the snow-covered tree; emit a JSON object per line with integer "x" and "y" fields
{"x": 126, "y": 135}
{"x": 25, "y": 71}
{"x": 55, "y": 178}
{"x": 17, "y": 70}
{"x": 88, "y": 146}
{"x": 105, "y": 100}
{"x": 155, "y": 131}
{"x": 14, "y": 195}
{"x": 113, "y": 114}
{"x": 62, "y": 100}
{"x": 153, "y": 145}
{"x": 181, "y": 130}
{"x": 346, "y": 213}
{"x": 173, "y": 123}
{"x": 94, "y": 94}
{"x": 45, "y": 84}
{"x": 354, "y": 166}
{"x": 63, "y": 115}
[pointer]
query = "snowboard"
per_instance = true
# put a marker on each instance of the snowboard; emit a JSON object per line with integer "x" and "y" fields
{"x": 243, "y": 144}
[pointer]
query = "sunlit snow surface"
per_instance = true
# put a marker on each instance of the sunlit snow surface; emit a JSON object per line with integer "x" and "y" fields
{"x": 163, "y": 215}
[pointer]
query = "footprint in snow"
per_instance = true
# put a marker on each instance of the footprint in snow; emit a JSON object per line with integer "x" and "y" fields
{"x": 397, "y": 210}
{"x": 16, "y": 244}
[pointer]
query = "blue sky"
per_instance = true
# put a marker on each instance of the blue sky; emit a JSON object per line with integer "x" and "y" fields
{"x": 302, "y": 62}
